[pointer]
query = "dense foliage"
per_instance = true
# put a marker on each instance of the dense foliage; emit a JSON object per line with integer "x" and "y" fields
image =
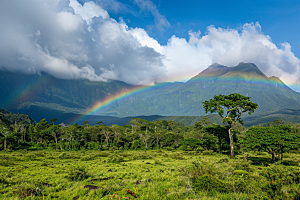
{"x": 148, "y": 160}
{"x": 230, "y": 108}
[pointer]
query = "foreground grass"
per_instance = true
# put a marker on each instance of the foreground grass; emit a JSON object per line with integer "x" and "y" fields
{"x": 147, "y": 174}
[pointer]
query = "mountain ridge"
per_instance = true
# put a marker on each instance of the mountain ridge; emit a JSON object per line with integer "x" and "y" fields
{"x": 174, "y": 99}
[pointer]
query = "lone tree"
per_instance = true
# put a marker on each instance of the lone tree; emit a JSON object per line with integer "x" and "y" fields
{"x": 230, "y": 108}
{"x": 274, "y": 140}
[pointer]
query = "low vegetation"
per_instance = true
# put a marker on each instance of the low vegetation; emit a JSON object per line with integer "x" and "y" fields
{"x": 141, "y": 174}
{"x": 151, "y": 160}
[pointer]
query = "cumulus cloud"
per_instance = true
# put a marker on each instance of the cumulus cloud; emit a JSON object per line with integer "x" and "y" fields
{"x": 229, "y": 47}
{"x": 186, "y": 58}
{"x": 88, "y": 11}
{"x": 70, "y": 40}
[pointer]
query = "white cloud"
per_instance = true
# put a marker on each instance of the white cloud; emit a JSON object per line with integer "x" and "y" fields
{"x": 230, "y": 47}
{"x": 68, "y": 21}
{"x": 88, "y": 11}
{"x": 70, "y": 40}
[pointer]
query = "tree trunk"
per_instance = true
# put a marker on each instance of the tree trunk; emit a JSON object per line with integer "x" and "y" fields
{"x": 107, "y": 140}
{"x": 55, "y": 139}
{"x": 273, "y": 156}
{"x": 5, "y": 144}
{"x": 220, "y": 145}
{"x": 231, "y": 144}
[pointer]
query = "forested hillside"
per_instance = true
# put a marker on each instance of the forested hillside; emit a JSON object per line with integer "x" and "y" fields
{"x": 34, "y": 93}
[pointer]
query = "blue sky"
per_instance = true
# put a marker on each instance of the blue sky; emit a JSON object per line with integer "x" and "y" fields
{"x": 280, "y": 19}
{"x": 147, "y": 41}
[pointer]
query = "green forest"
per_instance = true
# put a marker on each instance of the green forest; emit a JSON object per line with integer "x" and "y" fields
{"x": 151, "y": 159}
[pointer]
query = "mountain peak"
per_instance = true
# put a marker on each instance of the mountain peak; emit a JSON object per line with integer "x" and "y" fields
{"x": 246, "y": 70}
{"x": 213, "y": 70}
{"x": 216, "y": 66}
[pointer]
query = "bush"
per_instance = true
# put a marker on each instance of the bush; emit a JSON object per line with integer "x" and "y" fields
{"x": 202, "y": 168}
{"x": 224, "y": 160}
{"x": 240, "y": 172}
{"x": 62, "y": 155}
{"x": 157, "y": 162}
{"x": 279, "y": 176}
{"x": 6, "y": 163}
{"x": 211, "y": 183}
{"x": 199, "y": 149}
{"x": 3, "y": 181}
{"x": 208, "y": 152}
{"x": 177, "y": 156}
{"x": 243, "y": 165}
{"x": 115, "y": 158}
{"x": 141, "y": 157}
{"x": 77, "y": 173}
{"x": 113, "y": 148}
{"x": 169, "y": 148}
{"x": 289, "y": 163}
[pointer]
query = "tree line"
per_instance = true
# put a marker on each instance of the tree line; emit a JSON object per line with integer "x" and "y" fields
{"x": 274, "y": 138}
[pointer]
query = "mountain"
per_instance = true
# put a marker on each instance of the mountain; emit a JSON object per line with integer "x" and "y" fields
{"x": 185, "y": 99}
{"x": 22, "y": 90}
{"x": 42, "y": 93}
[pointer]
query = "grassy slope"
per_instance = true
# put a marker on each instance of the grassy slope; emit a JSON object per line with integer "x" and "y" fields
{"x": 163, "y": 174}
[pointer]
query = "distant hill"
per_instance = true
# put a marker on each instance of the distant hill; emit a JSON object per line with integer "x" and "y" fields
{"x": 10, "y": 117}
{"x": 20, "y": 90}
{"x": 33, "y": 94}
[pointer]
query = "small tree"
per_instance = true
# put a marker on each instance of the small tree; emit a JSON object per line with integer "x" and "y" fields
{"x": 52, "y": 121}
{"x": 5, "y": 131}
{"x": 274, "y": 140}
{"x": 230, "y": 108}
{"x": 220, "y": 132}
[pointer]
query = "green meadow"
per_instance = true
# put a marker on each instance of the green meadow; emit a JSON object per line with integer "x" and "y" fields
{"x": 146, "y": 174}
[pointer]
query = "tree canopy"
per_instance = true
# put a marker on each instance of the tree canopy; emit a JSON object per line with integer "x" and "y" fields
{"x": 230, "y": 108}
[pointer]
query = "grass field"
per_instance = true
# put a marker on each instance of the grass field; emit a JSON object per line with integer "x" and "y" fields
{"x": 151, "y": 174}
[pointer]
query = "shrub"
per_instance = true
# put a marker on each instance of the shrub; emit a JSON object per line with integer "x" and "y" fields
{"x": 224, "y": 160}
{"x": 77, "y": 173}
{"x": 199, "y": 149}
{"x": 157, "y": 162}
{"x": 62, "y": 155}
{"x": 278, "y": 176}
{"x": 141, "y": 157}
{"x": 259, "y": 153}
{"x": 6, "y": 163}
{"x": 115, "y": 158}
{"x": 240, "y": 172}
{"x": 211, "y": 183}
{"x": 3, "y": 181}
{"x": 289, "y": 163}
{"x": 177, "y": 156}
{"x": 113, "y": 148}
{"x": 208, "y": 152}
{"x": 243, "y": 165}
{"x": 202, "y": 168}
{"x": 169, "y": 148}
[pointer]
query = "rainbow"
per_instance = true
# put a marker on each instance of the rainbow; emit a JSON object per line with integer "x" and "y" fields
{"x": 27, "y": 92}
{"x": 121, "y": 96}
{"x": 137, "y": 90}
